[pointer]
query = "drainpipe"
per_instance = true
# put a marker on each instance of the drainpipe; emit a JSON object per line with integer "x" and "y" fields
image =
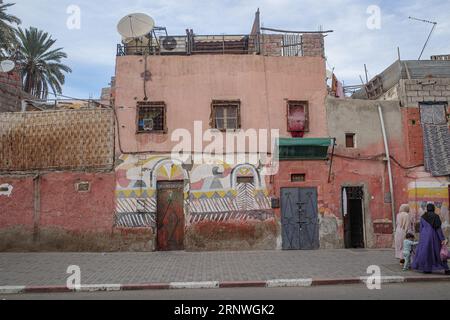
{"x": 37, "y": 206}
{"x": 388, "y": 156}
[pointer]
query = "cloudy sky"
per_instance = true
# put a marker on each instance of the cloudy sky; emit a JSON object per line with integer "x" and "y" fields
{"x": 92, "y": 48}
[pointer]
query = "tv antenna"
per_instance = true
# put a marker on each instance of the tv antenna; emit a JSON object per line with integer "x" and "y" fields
{"x": 429, "y": 36}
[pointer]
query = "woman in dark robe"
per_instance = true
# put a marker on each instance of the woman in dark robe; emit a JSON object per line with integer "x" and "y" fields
{"x": 428, "y": 257}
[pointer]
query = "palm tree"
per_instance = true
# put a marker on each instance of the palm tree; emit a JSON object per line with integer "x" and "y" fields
{"x": 7, "y": 31}
{"x": 39, "y": 63}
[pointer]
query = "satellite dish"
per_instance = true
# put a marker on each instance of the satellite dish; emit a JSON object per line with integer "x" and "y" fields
{"x": 7, "y": 66}
{"x": 135, "y": 25}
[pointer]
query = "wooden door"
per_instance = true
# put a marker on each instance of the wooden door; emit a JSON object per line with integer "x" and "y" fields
{"x": 170, "y": 216}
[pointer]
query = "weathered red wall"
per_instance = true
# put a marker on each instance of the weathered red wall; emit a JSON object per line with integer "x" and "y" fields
{"x": 62, "y": 206}
{"x": 67, "y": 219}
{"x": 16, "y": 210}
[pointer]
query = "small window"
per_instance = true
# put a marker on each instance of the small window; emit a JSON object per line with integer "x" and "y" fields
{"x": 350, "y": 140}
{"x": 298, "y": 116}
{"x": 151, "y": 117}
{"x": 298, "y": 177}
{"x": 83, "y": 186}
{"x": 226, "y": 115}
{"x": 245, "y": 180}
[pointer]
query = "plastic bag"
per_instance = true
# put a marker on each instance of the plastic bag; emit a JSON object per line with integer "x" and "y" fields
{"x": 444, "y": 253}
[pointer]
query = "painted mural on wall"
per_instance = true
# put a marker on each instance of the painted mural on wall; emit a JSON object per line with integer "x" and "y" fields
{"x": 422, "y": 192}
{"x": 214, "y": 191}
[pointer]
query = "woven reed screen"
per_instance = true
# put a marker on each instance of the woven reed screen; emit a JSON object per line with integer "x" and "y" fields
{"x": 69, "y": 139}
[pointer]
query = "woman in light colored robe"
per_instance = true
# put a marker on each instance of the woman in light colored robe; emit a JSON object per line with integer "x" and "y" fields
{"x": 402, "y": 228}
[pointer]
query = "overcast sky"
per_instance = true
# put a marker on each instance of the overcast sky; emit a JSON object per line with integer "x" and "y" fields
{"x": 92, "y": 48}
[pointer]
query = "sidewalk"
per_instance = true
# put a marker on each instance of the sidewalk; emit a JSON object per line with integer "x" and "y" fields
{"x": 120, "y": 271}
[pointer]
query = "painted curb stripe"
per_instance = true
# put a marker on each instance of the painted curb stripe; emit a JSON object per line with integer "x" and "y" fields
{"x": 390, "y": 279}
{"x": 216, "y": 284}
{"x": 289, "y": 283}
{"x": 49, "y": 289}
{"x": 194, "y": 285}
{"x": 149, "y": 286}
{"x": 330, "y": 282}
{"x": 242, "y": 284}
{"x": 98, "y": 287}
{"x": 12, "y": 289}
{"x": 427, "y": 279}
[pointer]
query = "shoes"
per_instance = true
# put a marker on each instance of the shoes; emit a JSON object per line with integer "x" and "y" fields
{"x": 402, "y": 261}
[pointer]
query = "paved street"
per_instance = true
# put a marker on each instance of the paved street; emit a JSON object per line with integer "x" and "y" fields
{"x": 39, "y": 269}
{"x": 427, "y": 291}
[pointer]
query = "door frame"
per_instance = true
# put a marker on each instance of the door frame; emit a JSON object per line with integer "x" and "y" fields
{"x": 363, "y": 209}
{"x": 183, "y": 185}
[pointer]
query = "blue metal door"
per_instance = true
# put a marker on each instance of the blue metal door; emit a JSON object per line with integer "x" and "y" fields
{"x": 299, "y": 219}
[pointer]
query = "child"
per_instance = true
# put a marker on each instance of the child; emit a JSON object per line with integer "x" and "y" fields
{"x": 408, "y": 246}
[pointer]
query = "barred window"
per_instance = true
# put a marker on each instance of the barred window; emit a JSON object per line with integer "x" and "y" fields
{"x": 226, "y": 115}
{"x": 151, "y": 117}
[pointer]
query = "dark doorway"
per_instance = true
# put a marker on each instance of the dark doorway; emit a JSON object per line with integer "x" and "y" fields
{"x": 170, "y": 216}
{"x": 353, "y": 217}
{"x": 299, "y": 219}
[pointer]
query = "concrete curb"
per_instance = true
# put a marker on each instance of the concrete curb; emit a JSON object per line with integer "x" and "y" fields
{"x": 276, "y": 283}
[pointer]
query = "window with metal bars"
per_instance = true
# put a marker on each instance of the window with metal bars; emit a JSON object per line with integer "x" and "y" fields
{"x": 226, "y": 115}
{"x": 151, "y": 117}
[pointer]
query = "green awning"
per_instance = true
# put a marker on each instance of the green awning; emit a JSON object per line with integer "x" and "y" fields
{"x": 312, "y": 142}
{"x": 304, "y": 148}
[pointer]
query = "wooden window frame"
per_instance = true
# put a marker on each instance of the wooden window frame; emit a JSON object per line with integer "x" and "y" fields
{"x": 151, "y": 104}
{"x": 353, "y": 135}
{"x": 245, "y": 179}
{"x": 305, "y": 104}
{"x": 224, "y": 103}
{"x": 298, "y": 177}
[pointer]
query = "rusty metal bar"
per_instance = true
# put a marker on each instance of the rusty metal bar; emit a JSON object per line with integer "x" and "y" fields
{"x": 290, "y": 31}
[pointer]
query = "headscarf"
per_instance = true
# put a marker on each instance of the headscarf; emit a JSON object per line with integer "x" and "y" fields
{"x": 431, "y": 217}
{"x": 403, "y": 218}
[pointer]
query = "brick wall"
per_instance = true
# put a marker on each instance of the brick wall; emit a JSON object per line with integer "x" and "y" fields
{"x": 313, "y": 45}
{"x": 271, "y": 44}
{"x": 425, "y": 90}
{"x": 414, "y": 136}
{"x": 11, "y": 93}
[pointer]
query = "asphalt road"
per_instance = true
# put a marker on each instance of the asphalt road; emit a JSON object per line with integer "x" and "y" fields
{"x": 411, "y": 291}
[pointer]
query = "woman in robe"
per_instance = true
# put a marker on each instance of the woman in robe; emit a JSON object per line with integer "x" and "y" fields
{"x": 428, "y": 258}
{"x": 402, "y": 228}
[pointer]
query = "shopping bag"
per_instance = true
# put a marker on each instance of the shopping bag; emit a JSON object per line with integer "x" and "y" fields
{"x": 444, "y": 253}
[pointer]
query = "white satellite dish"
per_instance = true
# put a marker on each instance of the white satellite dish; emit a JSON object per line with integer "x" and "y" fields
{"x": 135, "y": 25}
{"x": 7, "y": 66}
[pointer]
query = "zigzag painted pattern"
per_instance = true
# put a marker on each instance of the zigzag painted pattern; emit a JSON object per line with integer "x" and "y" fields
{"x": 132, "y": 205}
{"x": 245, "y": 197}
{"x": 135, "y": 220}
{"x": 261, "y": 215}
